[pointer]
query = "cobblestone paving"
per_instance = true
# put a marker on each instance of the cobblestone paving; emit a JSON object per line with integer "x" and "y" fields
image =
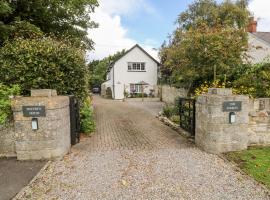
{"x": 133, "y": 156}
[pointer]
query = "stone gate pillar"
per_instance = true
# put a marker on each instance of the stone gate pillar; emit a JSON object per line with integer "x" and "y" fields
{"x": 42, "y": 125}
{"x": 222, "y": 121}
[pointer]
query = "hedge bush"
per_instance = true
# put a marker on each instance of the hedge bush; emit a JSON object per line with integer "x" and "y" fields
{"x": 170, "y": 110}
{"x": 44, "y": 63}
{"x": 5, "y": 104}
{"x": 254, "y": 81}
{"x": 87, "y": 118}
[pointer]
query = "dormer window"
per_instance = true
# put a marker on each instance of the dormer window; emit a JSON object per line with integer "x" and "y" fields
{"x": 136, "y": 66}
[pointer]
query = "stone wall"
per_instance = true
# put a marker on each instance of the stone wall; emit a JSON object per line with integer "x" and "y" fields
{"x": 214, "y": 132}
{"x": 52, "y": 139}
{"x": 7, "y": 142}
{"x": 259, "y": 122}
{"x": 170, "y": 94}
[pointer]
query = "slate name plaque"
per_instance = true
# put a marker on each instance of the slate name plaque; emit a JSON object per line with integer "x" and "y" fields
{"x": 232, "y": 106}
{"x": 34, "y": 111}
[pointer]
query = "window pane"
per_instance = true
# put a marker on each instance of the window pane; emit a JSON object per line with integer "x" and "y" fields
{"x": 134, "y": 67}
{"x": 137, "y": 88}
{"x": 142, "y": 66}
{"x": 129, "y": 66}
{"x": 132, "y": 88}
{"x": 138, "y": 66}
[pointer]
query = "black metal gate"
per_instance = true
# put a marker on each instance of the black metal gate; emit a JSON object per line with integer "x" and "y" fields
{"x": 74, "y": 120}
{"x": 187, "y": 112}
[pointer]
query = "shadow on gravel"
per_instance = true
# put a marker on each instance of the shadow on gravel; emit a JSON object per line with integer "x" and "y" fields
{"x": 14, "y": 175}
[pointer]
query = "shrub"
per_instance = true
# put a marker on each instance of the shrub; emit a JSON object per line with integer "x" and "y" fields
{"x": 175, "y": 119}
{"x": 87, "y": 118}
{"x": 254, "y": 81}
{"x": 203, "y": 88}
{"x": 5, "y": 107}
{"x": 44, "y": 64}
{"x": 138, "y": 95}
{"x": 169, "y": 111}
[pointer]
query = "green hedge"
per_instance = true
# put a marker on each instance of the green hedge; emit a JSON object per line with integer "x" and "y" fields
{"x": 5, "y": 104}
{"x": 87, "y": 118}
{"x": 44, "y": 64}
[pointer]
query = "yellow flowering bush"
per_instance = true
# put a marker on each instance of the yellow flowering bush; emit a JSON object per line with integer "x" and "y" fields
{"x": 203, "y": 89}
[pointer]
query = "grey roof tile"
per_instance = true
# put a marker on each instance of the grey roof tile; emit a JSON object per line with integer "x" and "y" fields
{"x": 265, "y": 36}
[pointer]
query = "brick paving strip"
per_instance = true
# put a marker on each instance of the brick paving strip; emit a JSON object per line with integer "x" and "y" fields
{"x": 132, "y": 155}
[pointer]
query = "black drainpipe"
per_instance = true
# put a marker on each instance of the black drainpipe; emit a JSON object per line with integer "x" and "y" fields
{"x": 113, "y": 84}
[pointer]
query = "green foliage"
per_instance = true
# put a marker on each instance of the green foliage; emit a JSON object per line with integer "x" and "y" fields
{"x": 138, "y": 95}
{"x": 254, "y": 80}
{"x": 255, "y": 162}
{"x": 98, "y": 68}
{"x": 63, "y": 19}
{"x": 42, "y": 64}
{"x": 206, "y": 40}
{"x": 170, "y": 110}
{"x": 87, "y": 118}
{"x": 175, "y": 119}
{"x": 203, "y": 88}
{"x": 5, "y": 106}
{"x": 209, "y": 12}
{"x": 248, "y": 79}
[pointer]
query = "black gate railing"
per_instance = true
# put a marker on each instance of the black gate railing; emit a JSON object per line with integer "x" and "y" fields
{"x": 74, "y": 120}
{"x": 187, "y": 112}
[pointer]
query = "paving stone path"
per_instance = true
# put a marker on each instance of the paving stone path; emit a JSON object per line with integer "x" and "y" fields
{"x": 134, "y": 156}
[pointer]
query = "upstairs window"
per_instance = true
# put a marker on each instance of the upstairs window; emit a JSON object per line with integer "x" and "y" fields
{"x": 132, "y": 66}
{"x": 129, "y": 66}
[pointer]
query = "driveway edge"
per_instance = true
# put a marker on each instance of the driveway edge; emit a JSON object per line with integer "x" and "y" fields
{"x": 238, "y": 169}
{"x": 21, "y": 193}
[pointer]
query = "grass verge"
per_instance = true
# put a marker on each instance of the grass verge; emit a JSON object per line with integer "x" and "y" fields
{"x": 255, "y": 162}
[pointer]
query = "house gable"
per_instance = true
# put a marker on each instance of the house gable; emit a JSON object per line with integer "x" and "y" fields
{"x": 259, "y": 49}
{"x": 125, "y": 76}
{"x": 130, "y": 50}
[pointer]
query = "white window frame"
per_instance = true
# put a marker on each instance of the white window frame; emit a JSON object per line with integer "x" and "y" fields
{"x": 136, "y": 67}
{"x": 136, "y": 87}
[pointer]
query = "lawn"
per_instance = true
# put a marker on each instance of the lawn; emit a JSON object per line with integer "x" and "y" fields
{"x": 255, "y": 162}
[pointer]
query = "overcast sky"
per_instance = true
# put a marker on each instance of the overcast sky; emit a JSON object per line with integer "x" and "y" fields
{"x": 123, "y": 23}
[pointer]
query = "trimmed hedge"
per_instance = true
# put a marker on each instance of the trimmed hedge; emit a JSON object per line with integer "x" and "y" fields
{"x": 44, "y": 63}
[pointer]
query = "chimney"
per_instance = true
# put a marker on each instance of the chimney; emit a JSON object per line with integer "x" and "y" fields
{"x": 252, "y": 27}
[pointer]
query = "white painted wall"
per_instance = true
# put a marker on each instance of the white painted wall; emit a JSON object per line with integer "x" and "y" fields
{"x": 123, "y": 78}
{"x": 258, "y": 51}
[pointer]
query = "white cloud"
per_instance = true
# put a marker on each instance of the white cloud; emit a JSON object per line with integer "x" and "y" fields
{"x": 260, "y": 9}
{"x": 111, "y": 36}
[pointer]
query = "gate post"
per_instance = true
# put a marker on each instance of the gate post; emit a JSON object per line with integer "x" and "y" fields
{"x": 42, "y": 125}
{"x": 222, "y": 121}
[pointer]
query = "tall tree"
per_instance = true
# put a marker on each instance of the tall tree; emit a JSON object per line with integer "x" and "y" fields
{"x": 210, "y": 39}
{"x": 98, "y": 68}
{"x": 67, "y": 19}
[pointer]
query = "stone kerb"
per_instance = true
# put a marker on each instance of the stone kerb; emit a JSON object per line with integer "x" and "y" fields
{"x": 52, "y": 139}
{"x": 214, "y": 132}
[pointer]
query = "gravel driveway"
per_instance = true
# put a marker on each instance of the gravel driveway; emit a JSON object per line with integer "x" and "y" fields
{"x": 133, "y": 156}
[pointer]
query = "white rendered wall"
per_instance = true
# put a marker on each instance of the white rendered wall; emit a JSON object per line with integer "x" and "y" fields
{"x": 258, "y": 49}
{"x": 123, "y": 78}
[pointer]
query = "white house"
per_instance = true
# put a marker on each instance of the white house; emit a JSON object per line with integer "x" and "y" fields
{"x": 135, "y": 72}
{"x": 259, "y": 44}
